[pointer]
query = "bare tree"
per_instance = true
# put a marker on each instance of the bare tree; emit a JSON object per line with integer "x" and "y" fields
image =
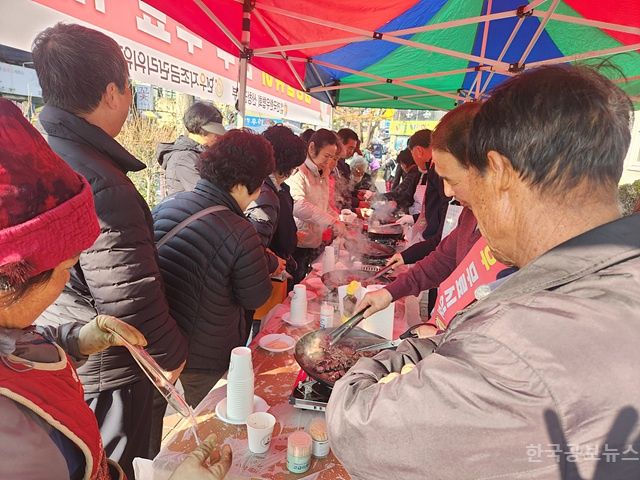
{"x": 140, "y": 136}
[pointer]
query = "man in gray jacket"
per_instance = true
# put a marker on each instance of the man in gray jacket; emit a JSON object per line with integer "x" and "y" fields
{"x": 537, "y": 380}
{"x": 83, "y": 75}
{"x": 203, "y": 122}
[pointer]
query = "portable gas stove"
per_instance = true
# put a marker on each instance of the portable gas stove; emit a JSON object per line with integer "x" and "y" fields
{"x": 309, "y": 394}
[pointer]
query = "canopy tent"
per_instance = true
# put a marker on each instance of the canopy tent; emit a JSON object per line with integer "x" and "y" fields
{"x": 415, "y": 54}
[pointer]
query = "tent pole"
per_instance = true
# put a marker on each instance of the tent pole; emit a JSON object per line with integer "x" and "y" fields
{"x": 245, "y": 56}
{"x": 483, "y": 49}
{"x": 380, "y": 82}
{"x": 583, "y": 56}
{"x": 538, "y": 32}
{"x": 207, "y": 11}
{"x": 368, "y": 35}
{"x": 384, "y": 80}
{"x": 558, "y": 17}
{"x": 317, "y": 74}
{"x": 503, "y": 53}
{"x": 266, "y": 26}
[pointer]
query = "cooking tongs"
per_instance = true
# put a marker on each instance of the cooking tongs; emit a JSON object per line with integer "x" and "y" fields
{"x": 367, "y": 281}
{"x": 410, "y": 333}
{"x": 345, "y": 328}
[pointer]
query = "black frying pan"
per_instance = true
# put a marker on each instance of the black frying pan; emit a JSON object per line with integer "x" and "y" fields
{"x": 389, "y": 231}
{"x": 375, "y": 250}
{"x": 310, "y": 350}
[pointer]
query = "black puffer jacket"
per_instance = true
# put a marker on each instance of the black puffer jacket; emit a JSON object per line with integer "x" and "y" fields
{"x": 272, "y": 216}
{"x": 179, "y": 161}
{"x": 119, "y": 274}
{"x": 214, "y": 269}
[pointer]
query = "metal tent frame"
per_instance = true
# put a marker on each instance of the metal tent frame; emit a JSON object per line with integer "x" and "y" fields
{"x": 485, "y": 67}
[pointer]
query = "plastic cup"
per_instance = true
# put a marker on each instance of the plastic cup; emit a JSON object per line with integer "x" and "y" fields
{"x": 240, "y": 384}
{"x": 328, "y": 259}
{"x": 299, "y": 304}
{"x": 259, "y": 430}
{"x": 240, "y": 366}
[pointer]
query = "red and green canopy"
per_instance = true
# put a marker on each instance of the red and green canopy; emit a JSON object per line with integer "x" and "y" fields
{"x": 417, "y": 54}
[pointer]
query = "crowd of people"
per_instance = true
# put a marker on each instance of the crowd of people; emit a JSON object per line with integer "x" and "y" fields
{"x": 83, "y": 258}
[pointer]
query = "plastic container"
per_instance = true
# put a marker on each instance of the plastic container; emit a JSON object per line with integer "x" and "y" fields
{"x": 326, "y": 315}
{"x": 320, "y": 440}
{"x": 299, "y": 452}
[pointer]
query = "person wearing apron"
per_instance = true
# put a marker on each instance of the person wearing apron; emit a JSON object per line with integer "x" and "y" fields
{"x": 430, "y": 202}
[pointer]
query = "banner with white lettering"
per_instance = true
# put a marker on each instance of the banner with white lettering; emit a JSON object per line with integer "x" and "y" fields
{"x": 479, "y": 267}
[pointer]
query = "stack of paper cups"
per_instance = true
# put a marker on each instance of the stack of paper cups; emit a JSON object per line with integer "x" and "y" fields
{"x": 380, "y": 323}
{"x": 299, "y": 304}
{"x": 328, "y": 259}
{"x": 240, "y": 385}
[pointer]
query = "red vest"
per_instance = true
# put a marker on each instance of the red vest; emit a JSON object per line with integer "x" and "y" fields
{"x": 54, "y": 393}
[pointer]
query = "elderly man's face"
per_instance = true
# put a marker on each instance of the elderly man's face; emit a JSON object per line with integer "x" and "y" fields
{"x": 496, "y": 200}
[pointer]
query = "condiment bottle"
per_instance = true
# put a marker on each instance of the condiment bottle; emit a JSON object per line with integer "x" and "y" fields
{"x": 350, "y": 301}
{"x": 299, "y": 452}
{"x": 326, "y": 315}
{"x": 318, "y": 431}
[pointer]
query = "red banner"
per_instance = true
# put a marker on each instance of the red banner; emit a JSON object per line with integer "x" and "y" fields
{"x": 479, "y": 267}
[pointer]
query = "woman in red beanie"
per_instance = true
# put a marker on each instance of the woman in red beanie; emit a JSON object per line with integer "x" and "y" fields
{"x": 47, "y": 218}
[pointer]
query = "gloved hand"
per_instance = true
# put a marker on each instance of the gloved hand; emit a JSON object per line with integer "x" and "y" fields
{"x": 207, "y": 462}
{"x": 405, "y": 220}
{"x": 98, "y": 334}
{"x": 396, "y": 260}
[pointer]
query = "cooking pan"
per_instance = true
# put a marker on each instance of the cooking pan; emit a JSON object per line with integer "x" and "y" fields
{"x": 390, "y": 231}
{"x": 310, "y": 351}
{"x": 335, "y": 278}
{"x": 375, "y": 250}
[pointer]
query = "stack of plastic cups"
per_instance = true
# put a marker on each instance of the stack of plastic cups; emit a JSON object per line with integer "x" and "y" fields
{"x": 328, "y": 259}
{"x": 298, "y": 313}
{"x": 240, "y": 385}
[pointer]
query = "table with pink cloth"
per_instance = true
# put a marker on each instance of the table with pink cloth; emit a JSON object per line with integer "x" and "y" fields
{"x": 275, "y": 374}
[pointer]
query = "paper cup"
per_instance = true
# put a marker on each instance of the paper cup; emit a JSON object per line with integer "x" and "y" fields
{"x": 328, "y": 259}
{"x": 239, "y": 399}
{"x": 259, "y": 430}
{"x": 298, "y": 313}
{"x": 240, "y": 366}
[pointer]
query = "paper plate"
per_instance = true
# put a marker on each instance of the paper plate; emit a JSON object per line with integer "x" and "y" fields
{"x": 287, "y": 316}
{"x": 267, "y": 340}
{"x": 259, "y": 405}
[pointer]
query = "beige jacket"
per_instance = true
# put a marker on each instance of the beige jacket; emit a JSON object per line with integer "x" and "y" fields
{"x": 547, "y": 363}
{"x": 310, "y": 192}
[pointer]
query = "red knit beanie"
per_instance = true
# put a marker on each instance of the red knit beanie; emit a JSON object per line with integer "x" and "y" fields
{"x": 47, "y": 214}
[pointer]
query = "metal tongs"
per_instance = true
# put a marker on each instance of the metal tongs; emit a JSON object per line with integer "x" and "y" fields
{"x": 410, "y": 333}
{"x": 345, "y": 328}
{"x": 378, "y": 274}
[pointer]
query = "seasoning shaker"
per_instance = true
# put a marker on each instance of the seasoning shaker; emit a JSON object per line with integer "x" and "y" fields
{"x": 326, "y": 315}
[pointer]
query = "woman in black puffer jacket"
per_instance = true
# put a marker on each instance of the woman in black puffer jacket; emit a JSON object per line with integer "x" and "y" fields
{"x": 215, "y": 268}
